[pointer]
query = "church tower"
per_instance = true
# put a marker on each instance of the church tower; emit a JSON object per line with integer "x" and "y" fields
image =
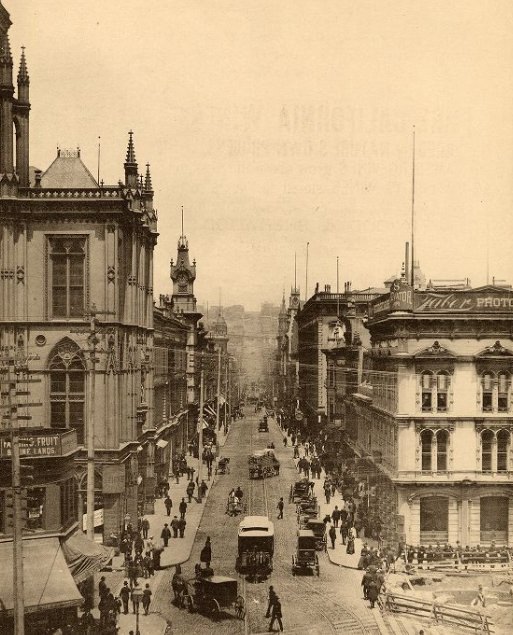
{"x": 183, "y": 275}
{"x": 14, "y": 115}
{"x": 183, "y": 301}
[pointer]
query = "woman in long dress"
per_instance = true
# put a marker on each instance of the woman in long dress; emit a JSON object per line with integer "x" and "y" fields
{"x": 351, "y": 535}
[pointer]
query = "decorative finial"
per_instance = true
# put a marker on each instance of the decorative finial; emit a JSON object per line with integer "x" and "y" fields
{"x": 23, "y": 76}
{"x": 147, "y": 184}
{"x": 130, "y": 153}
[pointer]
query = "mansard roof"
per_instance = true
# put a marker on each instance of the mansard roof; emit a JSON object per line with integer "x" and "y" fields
{"x": 68, "y": 171}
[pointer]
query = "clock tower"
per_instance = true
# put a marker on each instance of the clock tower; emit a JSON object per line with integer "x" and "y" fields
{"x": 183, "y": 275}
{"x": 183, "y": 302}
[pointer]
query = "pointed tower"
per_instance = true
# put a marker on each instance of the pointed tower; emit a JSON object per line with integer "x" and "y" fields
{"x": 282, "y": 318}
{"x": 147, "y": 189}
{"x": 21, "y": 121}
{"x": 183, "y": 275}
{"x": 6, "y": 97}
{"x": 131, "y": 163}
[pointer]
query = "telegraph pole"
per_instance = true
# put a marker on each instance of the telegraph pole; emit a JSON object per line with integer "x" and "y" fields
{"x": 93, "y": 341}
{"x": 200, "y": 431}
{"x": 15, "y": 366}
{"x": 19, "y": 597}
{"x": 218, "y": 424}
{"x": 226, "y": 398}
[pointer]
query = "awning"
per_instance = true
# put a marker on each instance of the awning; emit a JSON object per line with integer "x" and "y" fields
{"x": 47, "y": 581}
{"x": 85, "y": 557}
{"x": 161, "y": 443}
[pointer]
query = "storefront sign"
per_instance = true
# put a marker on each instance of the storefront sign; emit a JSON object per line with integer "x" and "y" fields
{"x": 400, "y": 298}
{"x": 464, "y": 302}
{"x": 98, "y": 519}
{"x": 41, "y": 444}
{"x": 113, "y": 479}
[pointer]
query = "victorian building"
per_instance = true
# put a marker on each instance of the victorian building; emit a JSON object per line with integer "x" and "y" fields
{"x": 183, "y": 303}
{"x": 323, "y": 322}
{"x": 433, "y": 414}
{"x": 76, "y": 290}
{"x": 76, "y": 313}
{"x": 170, "y": 387}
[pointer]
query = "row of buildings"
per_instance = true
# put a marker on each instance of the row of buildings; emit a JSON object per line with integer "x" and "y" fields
{"x": 413, "y": 382}
{"x": 87, "y": 357}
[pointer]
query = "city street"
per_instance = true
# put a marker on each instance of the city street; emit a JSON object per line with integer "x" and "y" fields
{"x": 329, "y": 603}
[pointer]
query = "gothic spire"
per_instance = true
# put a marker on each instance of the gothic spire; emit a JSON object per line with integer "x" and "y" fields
{"x": 23, "y": 76}
{"x": 147, "y": 182}
{"x": 130, "y": 152}
{"x": 131, "y": 179}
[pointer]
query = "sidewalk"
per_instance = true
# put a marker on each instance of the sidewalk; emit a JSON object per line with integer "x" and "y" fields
{"x": 177, "y": 552}
{"x": 337, "y": 556}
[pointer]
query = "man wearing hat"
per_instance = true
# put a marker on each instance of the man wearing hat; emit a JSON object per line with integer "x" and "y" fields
{"x": 276, "y": 614}
{"x": 272, "y": 598}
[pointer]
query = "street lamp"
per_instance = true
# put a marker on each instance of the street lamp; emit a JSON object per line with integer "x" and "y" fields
{"x": 137, "y": 594}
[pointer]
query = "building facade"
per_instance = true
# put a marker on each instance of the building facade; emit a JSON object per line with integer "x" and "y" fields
{"x": 325, "y": 320}
{"x": 76, "y": 301}
{"x": 434, "y": 414}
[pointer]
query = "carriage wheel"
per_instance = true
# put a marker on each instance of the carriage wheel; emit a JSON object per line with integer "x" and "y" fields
{"x": 317, "y": 568}
{"x": 240, "y": 608}
{"x": 187, "y": 603}
{"x": 214, "y": 609}
{"x": 293, "y": 565}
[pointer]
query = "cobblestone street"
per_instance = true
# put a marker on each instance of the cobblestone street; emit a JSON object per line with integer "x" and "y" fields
{"x": 311, "y": 605}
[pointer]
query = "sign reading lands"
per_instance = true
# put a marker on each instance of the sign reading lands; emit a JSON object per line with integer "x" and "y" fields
{"x": 41, "y": 444}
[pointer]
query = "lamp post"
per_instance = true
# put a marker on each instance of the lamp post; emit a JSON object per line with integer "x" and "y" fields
{"x": 137, "y": 594}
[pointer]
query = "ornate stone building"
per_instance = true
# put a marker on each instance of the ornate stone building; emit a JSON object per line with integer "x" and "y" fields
{"x": 434, "y": 414}
{"x": 76, "y": 289}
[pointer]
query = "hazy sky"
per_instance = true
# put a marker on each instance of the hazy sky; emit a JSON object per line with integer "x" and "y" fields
{"x": 275, "y": 123}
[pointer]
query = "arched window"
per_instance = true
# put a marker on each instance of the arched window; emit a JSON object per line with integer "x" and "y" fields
{"x": 67, "y": 390}
{"x": 426, "y": 441}
{"x": 487, "y": 439}
{"x": 427, "y": 393}
{"x": 442, "y": 442}
{"x": 503, "y": 439}
{"x": 487, "y": 387}
{"x": 503, "y": 392}
{"x": 442, "y": 389}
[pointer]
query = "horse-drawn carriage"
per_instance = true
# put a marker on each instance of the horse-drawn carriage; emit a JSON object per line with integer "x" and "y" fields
{"x": 263, "y": 425}
{"x": 209, "y": 595}
{"x": 255, "y": 543}
{"x": 318, "y": 528}
{"x": 299, "y": 491}
{"x": 308, "y": 509}
{"x": 263, "y": 464}
{"x": 223, "y": 466}
{"x": 306, "y": 558}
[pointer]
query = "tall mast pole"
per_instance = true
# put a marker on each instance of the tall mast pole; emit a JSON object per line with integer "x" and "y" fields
{"x": 413, "y": 214}
{"x": 338, "y": 299}
{"x": 306, "y": 273}
{"x": 90, "y": 432}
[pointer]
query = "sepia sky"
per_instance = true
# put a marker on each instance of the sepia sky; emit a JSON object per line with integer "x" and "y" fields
{"x": 277, "y": 123}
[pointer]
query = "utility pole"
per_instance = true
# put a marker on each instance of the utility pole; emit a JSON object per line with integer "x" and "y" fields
{"x": 227, "y": 393}
{"x": 19, "y": 597}
{"x": 218, "y": 423}
{"x": 200, "y": 431}
{"x": 93, "y": 341}
{"x": 14, "y": 368}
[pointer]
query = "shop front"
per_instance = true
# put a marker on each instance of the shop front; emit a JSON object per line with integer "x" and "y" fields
{"x": 50, "y": 595}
